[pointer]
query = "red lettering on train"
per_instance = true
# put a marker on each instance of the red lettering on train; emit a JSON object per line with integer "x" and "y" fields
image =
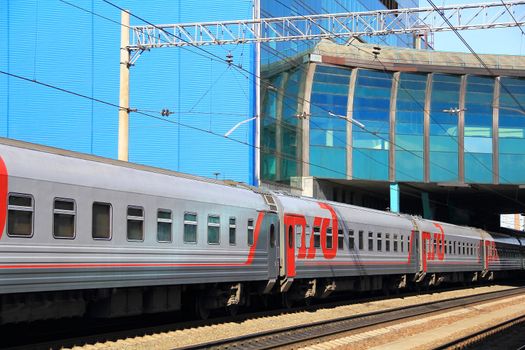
{"x": 329, "y": 252}
{"x": 433, "y": 246}
{"x": 3, "y": 195}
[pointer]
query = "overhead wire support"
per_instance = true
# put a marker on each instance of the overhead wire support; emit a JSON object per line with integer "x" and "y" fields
{"x": 328, "y": 26}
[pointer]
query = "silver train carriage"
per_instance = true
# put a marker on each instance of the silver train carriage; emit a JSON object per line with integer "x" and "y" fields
{"x": 84, "y": 235}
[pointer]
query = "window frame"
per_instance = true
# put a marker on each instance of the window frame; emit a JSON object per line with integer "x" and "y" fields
{"x": 340, "y": 239}
{"x": 166, "y": 221}
{"x": 142, "y": 219}
{"x": 20, "y": 208}
{"x": 211, "y": 224}
{"x": 65, "y": 212}
{"x": 192, "y": 223}
{"x": 250, "y": 232}
{"x": 110, "y": 236}
{"x": 234, "y": 227}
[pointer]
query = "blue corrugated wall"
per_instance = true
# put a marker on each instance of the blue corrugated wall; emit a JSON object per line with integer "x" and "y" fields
{"x": 55, "y": 43}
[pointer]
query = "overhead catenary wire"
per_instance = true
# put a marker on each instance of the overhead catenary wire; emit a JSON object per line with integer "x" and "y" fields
{"x": 221, "y": 59}
{"x": 284, "y": 156}
{"x": 251, "y": 73}
{"x": 512, "y": 15}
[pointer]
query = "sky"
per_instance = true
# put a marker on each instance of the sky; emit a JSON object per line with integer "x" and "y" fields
{"x": 508, "y": 41}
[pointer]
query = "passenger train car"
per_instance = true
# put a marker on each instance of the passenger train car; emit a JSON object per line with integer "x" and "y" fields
{"x": 83, "y": 235}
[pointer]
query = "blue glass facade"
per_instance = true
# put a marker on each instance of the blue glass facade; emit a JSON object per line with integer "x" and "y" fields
{"x": 512, "y": 130}
{"x": 371, "y": 108}
{"x": 478, "y": 129}
{"x": 409, "y": 131}
{"x": 409, "y": 127}
{"x": 444, "y": 128}
{"x": 328, "y": 133}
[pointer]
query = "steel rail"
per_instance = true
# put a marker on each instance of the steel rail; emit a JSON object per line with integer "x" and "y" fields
{"x": 303, "y": 333}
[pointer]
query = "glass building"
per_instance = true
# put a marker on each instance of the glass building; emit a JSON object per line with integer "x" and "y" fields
{"x": 403, "y": 116}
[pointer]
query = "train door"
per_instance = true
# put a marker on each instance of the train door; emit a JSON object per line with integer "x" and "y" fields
{"x": 290, "y": 221}
{"x": 272, "y": 225}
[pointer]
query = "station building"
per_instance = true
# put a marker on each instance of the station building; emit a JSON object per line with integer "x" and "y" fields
{"x": 437, "y": 133}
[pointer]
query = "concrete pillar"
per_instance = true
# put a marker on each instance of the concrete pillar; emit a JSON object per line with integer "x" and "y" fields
{"x": 426, "y": 127}
{"x": 461, "y": 129}
{"x": 305, "y": 122}
{"x": 495, "y": 131}
{"x": 349, "y": 126}
{"x": 394, "y": 198}
{"x": 123, "y": 113}
{"x": 391, "y": 146}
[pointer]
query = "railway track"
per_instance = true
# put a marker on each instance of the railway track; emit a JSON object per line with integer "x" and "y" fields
{"x": 72, "y": 333}
{"x": 508, "y": 334}
{"x": 300, "y": 334}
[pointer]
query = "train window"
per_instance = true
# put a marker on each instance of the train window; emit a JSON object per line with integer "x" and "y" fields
{"x": 340, "y": 239}
{"x": 370, "y": 241}
{"x": 387, "y": 242}
{"x": 298, "y": 234}
{"x": 434, "y": 242}
{"x": 290, "y": 236}
{"x": 250, "y": 232}
{"x": 329, "y": 238}
{"x": 379, "y": 242}
{"x": 233, "y": 231}
{"x": 402, "y": 243}
{"x": 64, "y": 212}
{"x": 308, "y": 236}
{"x": 20, "y": 215}
{"x": 190, "y": 228}
{"x": 317, "y": 237}
{"x": 135, "y": 223}
{"x": 101, "y": 221}
{"x": 395, "y": 243}
{"x": 361, "y": 240}
{"x": 164, "y": 223}
{"x": 272, "y": 236}
{"x": 454, "y": 247}
{"x": 463, "y": 248}
{"x": 351, "y": 242}
{"x": 214, "y": 229}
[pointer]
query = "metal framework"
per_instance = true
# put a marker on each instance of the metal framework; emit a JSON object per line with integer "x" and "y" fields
{"x": 334, "y": 25}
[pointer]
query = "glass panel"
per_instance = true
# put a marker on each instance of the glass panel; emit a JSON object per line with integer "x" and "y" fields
{"x": 213, "y": 229}
{"x": 101, "y": 221}
{"x": 328, "y": 133}
{"x": 21, "y": 200}
{"x": 443, "y": 128}
{"x": 135, "y": 225}
{"x": 63, "y": 225}
{"x": 190, "y": 228}
{"x": 164, "y": 225}
{"x": 20, "y": 223}
{"x": 232, "y": 231}
{"x": 250, "y": 232}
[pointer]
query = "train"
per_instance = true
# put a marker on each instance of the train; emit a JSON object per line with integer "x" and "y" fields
{"x": 86, "y": 236}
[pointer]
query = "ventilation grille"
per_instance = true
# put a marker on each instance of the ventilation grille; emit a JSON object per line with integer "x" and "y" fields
{"x": 271, "y": 202}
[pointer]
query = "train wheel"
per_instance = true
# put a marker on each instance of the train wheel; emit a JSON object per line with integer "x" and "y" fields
{"x": 202, "y": 311}
{"x": 287, "y": 301}
{"x": 233, "y": 309}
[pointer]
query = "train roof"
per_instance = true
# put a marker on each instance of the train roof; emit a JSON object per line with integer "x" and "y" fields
{"x": 30, "y": 160}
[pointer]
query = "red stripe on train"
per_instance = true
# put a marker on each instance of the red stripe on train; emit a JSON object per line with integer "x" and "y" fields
{"x": 249, "y": 259}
